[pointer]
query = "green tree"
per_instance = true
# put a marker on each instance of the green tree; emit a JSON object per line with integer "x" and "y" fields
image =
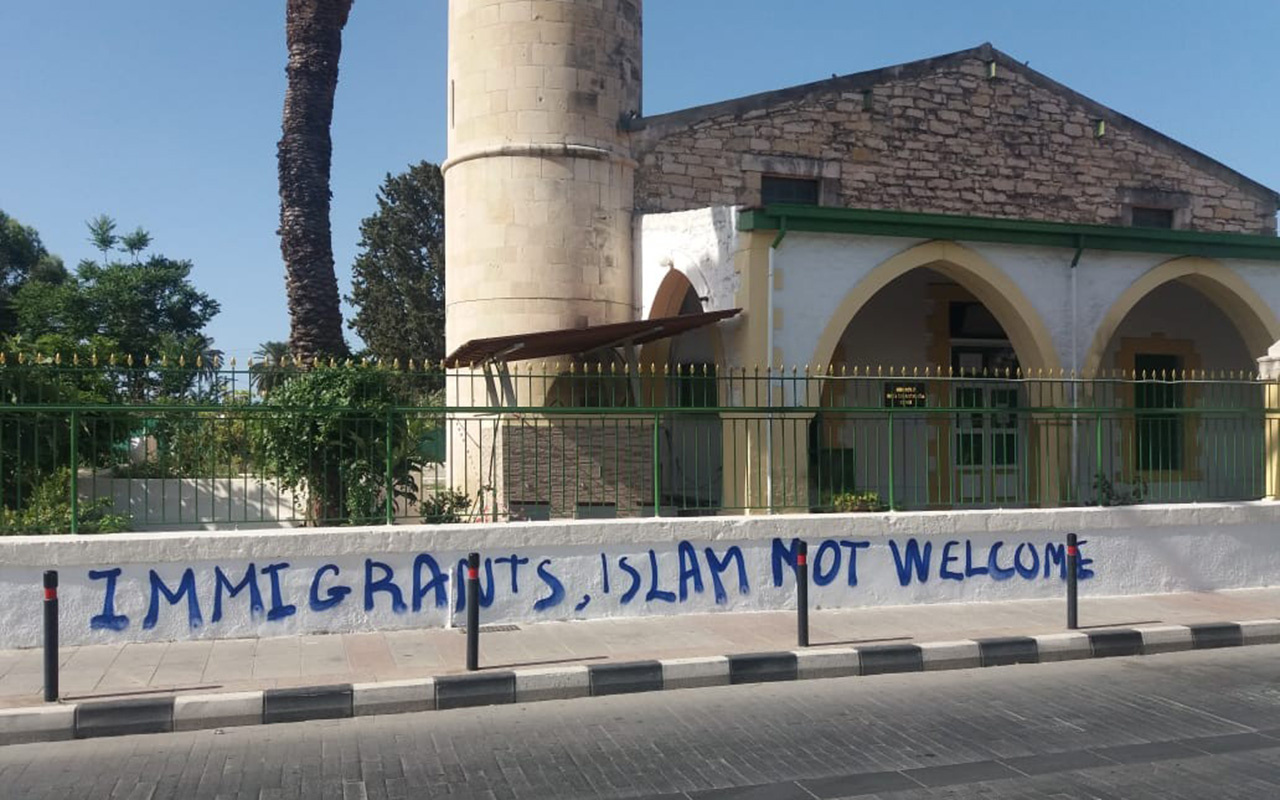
{"x": 134, "y": 243}
{"x": 271, "y": 368}
{"x": 145, "y": 309}
{"x": 313, "y": 30}
{"x": 102, "y": 234}
{"x": 397, "y": 281}
{"x": 327, "y": 433}
{"x": 23, "y": 258}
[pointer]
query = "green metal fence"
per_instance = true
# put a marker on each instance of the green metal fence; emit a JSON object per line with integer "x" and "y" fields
{"x": 88, "y": 447}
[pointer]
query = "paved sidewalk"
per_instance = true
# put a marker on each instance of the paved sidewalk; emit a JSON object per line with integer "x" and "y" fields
{"x": 101, "y": 672}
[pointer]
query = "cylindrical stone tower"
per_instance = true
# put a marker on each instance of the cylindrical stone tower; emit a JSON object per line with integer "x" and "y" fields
{"x": 539, "y": 174}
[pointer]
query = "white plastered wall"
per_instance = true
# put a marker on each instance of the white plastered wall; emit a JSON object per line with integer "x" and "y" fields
{"x": 361, "y": 579}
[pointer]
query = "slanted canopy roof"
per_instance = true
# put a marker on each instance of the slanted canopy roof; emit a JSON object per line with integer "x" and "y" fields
{"x": 569, "y": 341}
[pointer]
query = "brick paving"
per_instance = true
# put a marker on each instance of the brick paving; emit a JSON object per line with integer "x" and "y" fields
{"x": 114, "y": 671}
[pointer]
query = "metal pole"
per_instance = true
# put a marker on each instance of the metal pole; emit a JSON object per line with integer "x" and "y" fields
{"x": 657, "y": 465}
{"x": 389, "y": 486}
{"x": 802, "y": 593}
{"x": 1073, "y": 559}
{"x": 51, "y": 636}
{"x": 75, "y": 472}
{"x": 473, "y": 612}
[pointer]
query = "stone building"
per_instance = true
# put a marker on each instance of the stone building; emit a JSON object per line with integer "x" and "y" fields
{"x": 962, "y": 215}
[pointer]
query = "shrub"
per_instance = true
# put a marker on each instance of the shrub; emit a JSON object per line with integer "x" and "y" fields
{"x": 445, "y": 507}
{"x": 48, "y": 510}
{"x": 326, "y": 430}
{"x": 857, "y": 501}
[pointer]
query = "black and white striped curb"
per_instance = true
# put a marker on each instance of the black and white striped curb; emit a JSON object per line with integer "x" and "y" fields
{"x": 196, "y": 712}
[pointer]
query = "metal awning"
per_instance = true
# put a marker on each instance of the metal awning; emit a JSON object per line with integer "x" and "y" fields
{"x": 572, "y": 341}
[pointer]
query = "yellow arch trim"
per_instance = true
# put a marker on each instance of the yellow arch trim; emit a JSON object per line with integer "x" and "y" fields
{"x": 666, "y": 303}
{"x": 997, "y": 291}
{"x": 1253, "y": 318}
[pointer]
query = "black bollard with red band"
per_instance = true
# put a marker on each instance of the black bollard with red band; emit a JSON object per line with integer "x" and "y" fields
{"x": 473, "y": 612}
{"x": 51, "y": 636}
{"x": 1073, "y": 562}
{"x": 802, "y": 593}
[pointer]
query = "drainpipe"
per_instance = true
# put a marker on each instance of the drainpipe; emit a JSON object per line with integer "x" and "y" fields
{"x": 773, "y": 249}
{"x": 1075, "y": 357}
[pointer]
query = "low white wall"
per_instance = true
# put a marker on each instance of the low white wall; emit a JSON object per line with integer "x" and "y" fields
{"x": 165, "y": 586}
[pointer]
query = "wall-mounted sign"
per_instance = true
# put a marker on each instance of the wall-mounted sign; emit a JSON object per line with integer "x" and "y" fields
{"x": 904, "y": 395}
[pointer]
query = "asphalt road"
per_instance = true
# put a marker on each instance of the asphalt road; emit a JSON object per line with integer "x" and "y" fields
{"x": 1192, "y": 725}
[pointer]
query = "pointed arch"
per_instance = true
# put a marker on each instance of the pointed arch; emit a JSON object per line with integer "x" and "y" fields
{"x": 670, "y": 295}
{"x": 1026, "y": 330}
{"x": 1254, "y": 320}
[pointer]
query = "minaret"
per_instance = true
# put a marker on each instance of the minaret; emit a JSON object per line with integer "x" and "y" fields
{"x": 539, "y": 175}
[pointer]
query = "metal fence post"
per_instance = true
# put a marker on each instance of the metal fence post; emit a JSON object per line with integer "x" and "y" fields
{"x": 1097, "y": 446}
{"x": 75, "y": 472}
{"x": 657, "y": 465}
{"x": 892, "y": 501}
{"x": 390, "y": 482}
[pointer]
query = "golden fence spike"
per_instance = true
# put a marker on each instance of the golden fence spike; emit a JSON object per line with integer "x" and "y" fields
{"x": 129, "y": 360}
{"x": 793, "y": 370}
{"x": 666, "y": 368}
{"x": 395, "y": 363}
{"x": 21, "y": 358}
{"x": 57, "y": 358}
{"x": 198, "y": 359}
{"x": 2, "y": 358}
{"x": 112, "y": 359}
{"x": 879, "y": 370}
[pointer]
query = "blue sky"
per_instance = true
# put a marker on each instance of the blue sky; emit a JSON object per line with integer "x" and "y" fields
{"x": 166, "y": 114}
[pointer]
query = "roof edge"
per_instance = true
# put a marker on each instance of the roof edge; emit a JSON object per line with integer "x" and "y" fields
{"x": 1067, "y": 235}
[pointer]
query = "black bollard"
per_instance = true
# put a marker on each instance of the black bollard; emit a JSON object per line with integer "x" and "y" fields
{"x": 473, "y": 612}
{"x": 51, "y": 636}
{"x": 1073, "y": 560}
{"x": 802, "y": 593}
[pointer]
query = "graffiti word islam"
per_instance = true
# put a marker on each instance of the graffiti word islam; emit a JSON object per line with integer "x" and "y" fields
{"x": 623, "y": 579}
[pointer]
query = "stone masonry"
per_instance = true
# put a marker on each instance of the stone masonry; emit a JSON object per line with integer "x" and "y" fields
{"x": 944, "y": 135}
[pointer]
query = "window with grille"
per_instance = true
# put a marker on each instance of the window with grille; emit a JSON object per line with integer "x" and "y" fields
{"x": 798, "y": 191}
{"x": 1144, "y": 217}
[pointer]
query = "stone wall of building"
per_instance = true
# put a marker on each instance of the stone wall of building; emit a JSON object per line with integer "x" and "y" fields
{"x": 574, "y": 466}
{"x": 942, "y": 136}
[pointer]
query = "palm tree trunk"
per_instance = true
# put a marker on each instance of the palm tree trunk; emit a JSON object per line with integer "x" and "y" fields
{"x": 314, "y": 34}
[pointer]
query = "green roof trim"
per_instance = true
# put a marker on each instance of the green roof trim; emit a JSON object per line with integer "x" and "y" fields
{"x": 821, "y": 219}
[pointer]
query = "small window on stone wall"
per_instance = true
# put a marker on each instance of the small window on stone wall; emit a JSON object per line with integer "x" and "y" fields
{"x": 1145, "y": 217}
{"x": 778, "y": 189}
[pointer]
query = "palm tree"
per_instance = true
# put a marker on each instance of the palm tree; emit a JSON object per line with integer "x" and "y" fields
{"x": 313, "y": 29}
{"x": 270, "y": 371}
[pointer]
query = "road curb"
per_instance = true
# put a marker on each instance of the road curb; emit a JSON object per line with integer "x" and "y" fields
{"x": 204, "y": 711}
